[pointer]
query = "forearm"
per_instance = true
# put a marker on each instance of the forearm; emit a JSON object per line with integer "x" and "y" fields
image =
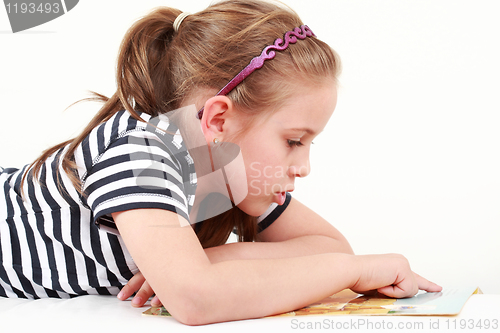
{"x": 198, "y": 291}
{"x": 242, "y": 289}
{"x": 300, "y": 246}
{"x": 296, "y": 247}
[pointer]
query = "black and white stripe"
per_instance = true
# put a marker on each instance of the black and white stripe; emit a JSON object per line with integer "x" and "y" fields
{"x": 55, "y": 242}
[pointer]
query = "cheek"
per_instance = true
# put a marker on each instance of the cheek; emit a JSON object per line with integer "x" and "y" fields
{"x": 255, "y": 177}
{"x": 264, "y": 164}
{"x": 265, "y": 174}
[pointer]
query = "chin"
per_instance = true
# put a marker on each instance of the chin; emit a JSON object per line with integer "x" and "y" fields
{"x": 253, "y": 208}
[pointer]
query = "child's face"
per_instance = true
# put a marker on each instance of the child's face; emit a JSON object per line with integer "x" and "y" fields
{"x": 276, "y": 150}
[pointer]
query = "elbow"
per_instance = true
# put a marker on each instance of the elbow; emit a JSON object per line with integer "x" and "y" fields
{"x": 342, "y": 245}
{"x": 189, "y": 315}
{"x": 188, "y": 318}
{"x": 336, "y": 244}
{"x": 347, "y": 248}
{"x": 190, "y": 306}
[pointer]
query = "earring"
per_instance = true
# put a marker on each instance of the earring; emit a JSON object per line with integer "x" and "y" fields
{"x": 216, "y": 141}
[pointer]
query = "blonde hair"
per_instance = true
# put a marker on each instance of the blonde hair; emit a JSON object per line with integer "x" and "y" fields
{"x": 158, "y": 69}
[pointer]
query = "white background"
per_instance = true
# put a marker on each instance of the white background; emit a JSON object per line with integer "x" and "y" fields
{"x": 410, "y": 160}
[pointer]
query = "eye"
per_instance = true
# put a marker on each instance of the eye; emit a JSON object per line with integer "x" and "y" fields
{"x": 294, "y": 143}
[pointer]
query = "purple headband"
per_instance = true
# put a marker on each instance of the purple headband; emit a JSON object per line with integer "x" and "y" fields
{"x": 268, "y": 53}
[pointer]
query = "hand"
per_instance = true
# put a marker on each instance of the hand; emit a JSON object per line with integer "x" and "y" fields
{"x": 390, "y": 275}
{"x": 144, "y": 291}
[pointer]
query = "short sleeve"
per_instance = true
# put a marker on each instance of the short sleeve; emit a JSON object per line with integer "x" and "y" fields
{"x": 273, "y": 212}
{"x": 140, "y": 170}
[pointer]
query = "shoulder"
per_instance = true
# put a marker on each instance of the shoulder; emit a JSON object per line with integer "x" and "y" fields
{"x": 141, "y": 165}
{"x": 123, "y": 133}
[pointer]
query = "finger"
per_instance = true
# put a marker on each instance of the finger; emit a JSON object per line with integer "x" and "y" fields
{"x": 405, "y": 287}
{"x": 132, "y": 286}
{"x": 155, "y": 302}
{"x": 142, "y": 296}
{"x": 424, "y": 284}
{"x": 395, "y": 292}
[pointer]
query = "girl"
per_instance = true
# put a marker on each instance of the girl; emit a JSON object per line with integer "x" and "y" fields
{"x": 211, "y": 123}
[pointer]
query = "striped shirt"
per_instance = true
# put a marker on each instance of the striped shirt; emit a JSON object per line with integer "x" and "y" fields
{"x": 55, "y": 242}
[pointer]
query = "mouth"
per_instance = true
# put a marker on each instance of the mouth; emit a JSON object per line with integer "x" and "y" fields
{"x": 280, "y": 197}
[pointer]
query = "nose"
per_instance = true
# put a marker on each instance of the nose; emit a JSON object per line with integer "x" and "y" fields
{"x": 301, "y": 169}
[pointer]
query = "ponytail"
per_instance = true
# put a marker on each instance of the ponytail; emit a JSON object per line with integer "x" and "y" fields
{"x": 143, "y": 74}
{"x": 140, "y": 86}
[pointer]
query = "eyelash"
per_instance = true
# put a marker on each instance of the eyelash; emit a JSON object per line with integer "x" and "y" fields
{"x": 293, "y": 143}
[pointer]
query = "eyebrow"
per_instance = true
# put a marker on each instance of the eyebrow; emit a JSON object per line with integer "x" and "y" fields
{"x": 303, "y": 129}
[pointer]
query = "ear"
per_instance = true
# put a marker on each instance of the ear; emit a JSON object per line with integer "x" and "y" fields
{"x": 216, "y": 113}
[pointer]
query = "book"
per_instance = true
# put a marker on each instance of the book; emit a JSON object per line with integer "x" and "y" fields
{"x": 448, "y": 302}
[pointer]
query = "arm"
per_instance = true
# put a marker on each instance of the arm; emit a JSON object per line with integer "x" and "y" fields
{"x": 197, "y": 291}
{"x": 297, "y": 232}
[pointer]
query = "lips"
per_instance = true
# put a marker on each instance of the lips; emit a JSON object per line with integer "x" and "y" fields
{"x": 279, "y": 198}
